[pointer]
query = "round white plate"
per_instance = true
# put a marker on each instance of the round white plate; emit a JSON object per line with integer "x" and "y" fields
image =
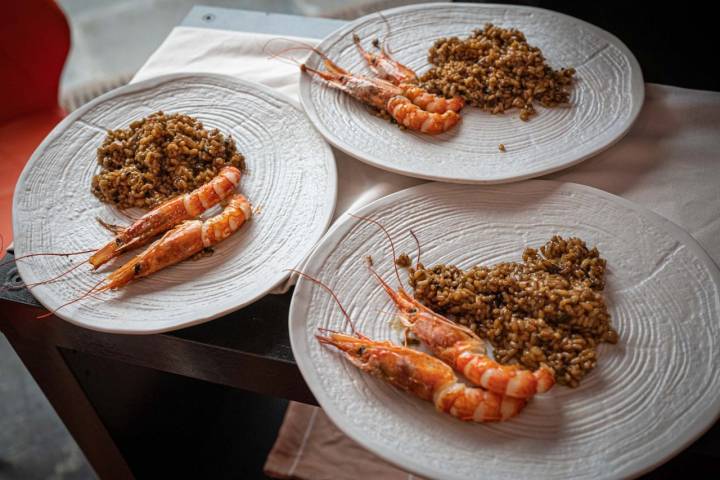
{"x": 649, "y": 397}
{"x": 606, "y": 97}
{"x": 291, "y": 182}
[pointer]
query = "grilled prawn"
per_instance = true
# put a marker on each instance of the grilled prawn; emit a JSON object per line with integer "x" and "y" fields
{"x": 182, "y": 242}
{"x": 418, "y": 373}
{"x": 385, "y": 96}
{"x": 384, "y": 66}
{"x": 460, "y": 347}
{"x": 424, "y": 376}
{"x": 169, "y": 214}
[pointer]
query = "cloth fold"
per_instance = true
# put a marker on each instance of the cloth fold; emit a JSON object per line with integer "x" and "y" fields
{"x": 238, "y": 54}
{"x": 310, "y": 446}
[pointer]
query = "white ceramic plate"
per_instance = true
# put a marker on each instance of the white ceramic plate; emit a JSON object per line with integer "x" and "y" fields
{"x": 291, "y": 181}
{"x": 649, "y": 397}
{"x": 606, "y": 97}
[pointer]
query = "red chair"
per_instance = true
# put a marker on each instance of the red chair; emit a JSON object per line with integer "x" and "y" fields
{"x": 34, "y": 43}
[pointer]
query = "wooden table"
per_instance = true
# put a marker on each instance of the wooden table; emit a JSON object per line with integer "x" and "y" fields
{"x": 120, "y": 395}
{"x": 86, "y": 374}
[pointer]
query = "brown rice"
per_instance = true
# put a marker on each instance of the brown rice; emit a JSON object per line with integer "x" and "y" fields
{"x": 159, "y": 157}
{"x": 495, "y": 69}
{"x": 549, "y": 309}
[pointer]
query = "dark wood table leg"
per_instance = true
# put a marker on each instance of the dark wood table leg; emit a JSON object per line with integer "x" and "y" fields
{"x": 52, "y": 374}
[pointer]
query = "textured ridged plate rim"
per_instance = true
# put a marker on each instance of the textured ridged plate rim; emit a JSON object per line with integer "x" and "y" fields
{"x": 636, "y": 78}
{"x": 303, "y": 291}
{"x": 272, "y": 283}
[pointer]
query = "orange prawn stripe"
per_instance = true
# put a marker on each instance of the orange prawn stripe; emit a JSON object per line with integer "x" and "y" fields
{"x": 218, "y": 228}
{"x": 475, "y": 404}
{"x": 485, "y": 372}
{"x": 430, "y": 102}
{"x": 415, "y": 118}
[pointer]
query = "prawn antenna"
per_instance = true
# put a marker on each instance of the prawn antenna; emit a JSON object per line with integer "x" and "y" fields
{"x": 383, "y": 45}
{"x": 298, "y": 45}
{"x": 334, "y": 296}
{"x": 387, "y": 234}
{"x": 83, "y": 296}
{"x": 64, "y": 254}
{"x": 417, "y": 261}
{"x": 30, "y": 286}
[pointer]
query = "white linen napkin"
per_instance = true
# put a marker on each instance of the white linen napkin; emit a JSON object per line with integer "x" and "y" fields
{"x": 668, "y": 162}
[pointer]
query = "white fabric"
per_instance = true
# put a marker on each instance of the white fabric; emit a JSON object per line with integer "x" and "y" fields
{"x": 669, "y": 162}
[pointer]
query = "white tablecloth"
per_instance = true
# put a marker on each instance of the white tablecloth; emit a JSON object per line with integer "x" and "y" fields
{"x": 669, "y": 162}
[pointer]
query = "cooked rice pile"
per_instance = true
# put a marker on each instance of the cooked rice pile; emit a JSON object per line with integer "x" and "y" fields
{"x": 159, "y": 157}
{"x": 548, "y": 309}
{"x": 495, "y": 69}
